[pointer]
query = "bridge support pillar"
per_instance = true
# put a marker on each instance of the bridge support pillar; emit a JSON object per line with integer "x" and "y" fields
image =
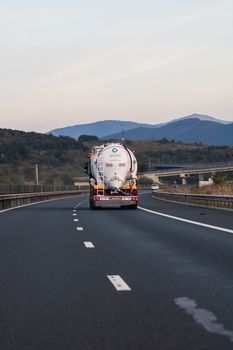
{"x": 184, "y": 178}
{"x": 184, "y": 181}
{"x": 201, "y": 177}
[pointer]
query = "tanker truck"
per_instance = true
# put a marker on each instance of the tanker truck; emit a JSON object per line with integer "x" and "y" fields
{"x": 112, "y": 170}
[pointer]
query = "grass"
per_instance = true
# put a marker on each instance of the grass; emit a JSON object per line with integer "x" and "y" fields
{"x": 226, "y": 189}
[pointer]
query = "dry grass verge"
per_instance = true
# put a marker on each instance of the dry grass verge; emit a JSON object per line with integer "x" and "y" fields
{"x": 226, "y": 189}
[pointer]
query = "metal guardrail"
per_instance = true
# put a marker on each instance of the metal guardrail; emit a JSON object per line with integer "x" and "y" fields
{"x": 13, "y": 200}
{"x": 16, "y": 188}
{"x": 198, "y": 199}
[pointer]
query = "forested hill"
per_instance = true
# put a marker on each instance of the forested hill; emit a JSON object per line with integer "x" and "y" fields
{"x": 16, "y": 145}
{"x": 20, "y": 141}
{"x": 61, "y": 159}
{"x": 20, "y": 151}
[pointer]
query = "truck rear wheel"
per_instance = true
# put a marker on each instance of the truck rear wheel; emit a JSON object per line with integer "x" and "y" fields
{"x": 133, "y": 207}
{"x": 92, "y": 204}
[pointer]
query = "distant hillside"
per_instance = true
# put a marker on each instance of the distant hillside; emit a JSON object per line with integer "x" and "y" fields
{"x": 202, "y": 117}
{"x": 61, "y": 159}
{"x": 100, "y": 129}
{"x": 113, "y": 128}
{"x": 187, "y": 130}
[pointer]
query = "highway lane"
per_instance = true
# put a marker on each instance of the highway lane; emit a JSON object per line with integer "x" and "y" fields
{"x": 55, "y": 293}
{"x": 213, "y": 216}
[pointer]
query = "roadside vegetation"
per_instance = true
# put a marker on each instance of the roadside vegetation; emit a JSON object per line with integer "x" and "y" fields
{"x": 226, "y": 189}
{"x": 223, "y": 185}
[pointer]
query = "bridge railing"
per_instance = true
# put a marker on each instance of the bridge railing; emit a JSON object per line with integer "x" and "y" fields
{"x": 178, "y": 171}
{"x": 198, "y": 199}
{"x": 154, "y": 166}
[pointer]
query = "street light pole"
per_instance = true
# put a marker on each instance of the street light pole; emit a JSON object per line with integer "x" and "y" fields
{"x": 37, "y": 175}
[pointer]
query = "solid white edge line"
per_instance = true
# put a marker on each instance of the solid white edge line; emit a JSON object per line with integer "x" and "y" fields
{"x": 119, "y": 283}
{"x": 218, "y": 228}
{"x": 193, "y": 205}
{"x": 30, "y": 204}
{"x": 89, "y": 244}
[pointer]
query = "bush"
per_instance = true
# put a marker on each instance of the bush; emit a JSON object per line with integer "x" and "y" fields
{"x": 144, "y": 180}
{"x": 220, "y": 179}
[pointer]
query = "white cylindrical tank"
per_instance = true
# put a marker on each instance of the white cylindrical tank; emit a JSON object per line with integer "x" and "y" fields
{"x": 113, "y": 165}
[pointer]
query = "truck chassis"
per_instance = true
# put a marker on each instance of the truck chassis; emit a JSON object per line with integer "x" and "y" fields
{"x": 128, "y": 200}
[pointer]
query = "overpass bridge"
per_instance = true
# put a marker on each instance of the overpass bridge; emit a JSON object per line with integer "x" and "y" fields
{"x": 185, "y": 171}
{"x": 165, "y": 166}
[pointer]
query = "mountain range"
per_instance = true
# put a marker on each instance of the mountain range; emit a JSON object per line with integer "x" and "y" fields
{"x": 188, "y": 130}
{"x": 100, "y": 129}
{"x": 193, "y": 128}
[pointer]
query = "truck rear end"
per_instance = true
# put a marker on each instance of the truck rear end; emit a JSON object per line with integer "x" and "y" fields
{"x": 105, "y": 198}
{"x": 112, "y": 170}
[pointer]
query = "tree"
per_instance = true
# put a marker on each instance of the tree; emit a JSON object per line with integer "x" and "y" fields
{"x": 220, "y": 178}
{"x": 143, "y": 167}
{"x": 144, "y": 180}
{"x": 84, "y": 138}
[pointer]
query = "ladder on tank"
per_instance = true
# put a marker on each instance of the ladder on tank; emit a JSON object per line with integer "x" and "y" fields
{"x": 100, "y": 174}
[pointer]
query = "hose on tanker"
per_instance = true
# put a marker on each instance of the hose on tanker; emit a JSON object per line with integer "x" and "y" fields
{"x": 131, "y": 162}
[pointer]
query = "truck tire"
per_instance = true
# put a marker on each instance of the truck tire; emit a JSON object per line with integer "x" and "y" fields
{"x": 92, "y": 204}
{"x": 133, "y": 207}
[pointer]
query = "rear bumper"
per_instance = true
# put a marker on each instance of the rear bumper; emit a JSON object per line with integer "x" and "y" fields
{"x": 102, "y": 201}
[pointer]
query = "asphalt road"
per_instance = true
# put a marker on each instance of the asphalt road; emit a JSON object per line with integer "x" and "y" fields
{"x": 146, "y": 282}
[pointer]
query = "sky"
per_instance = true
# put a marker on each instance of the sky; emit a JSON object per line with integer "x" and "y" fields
{"x": 66, "y": 62}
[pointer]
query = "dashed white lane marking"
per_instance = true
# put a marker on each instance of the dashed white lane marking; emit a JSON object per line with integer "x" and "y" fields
{"x": 81, "y": 203}
{"x": 75, "y": 219}
{"x": 79, "y": 228}
{"x": 188, "y": 221}
{"x": 118, "y": 283}
{"x": 206, "y": 318}
{"x": 74, "y": 214}
{"x": 89, "y": 244}
{"x": 36, "y": 203}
